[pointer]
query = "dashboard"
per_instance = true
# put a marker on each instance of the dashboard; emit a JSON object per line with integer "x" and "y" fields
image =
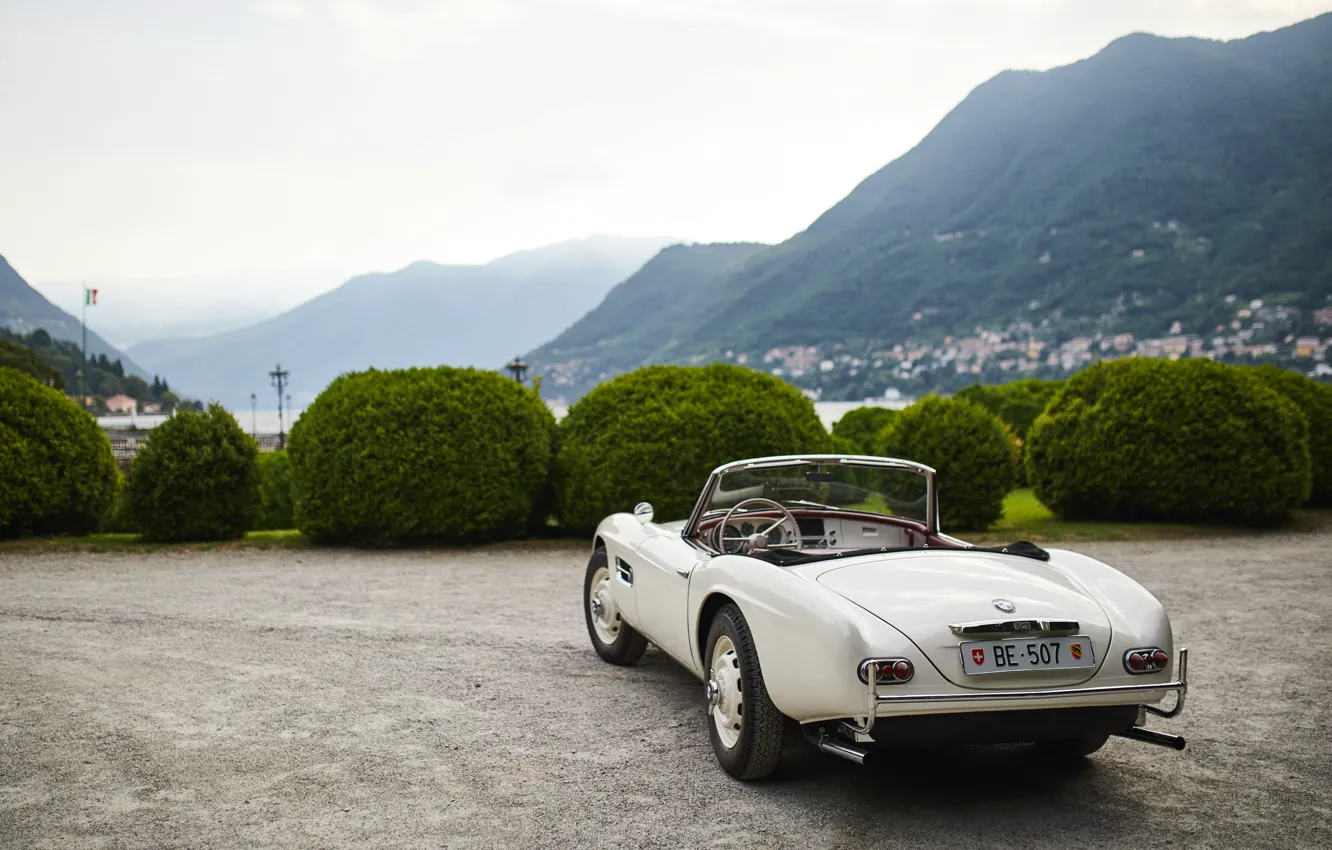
{"x": 827, "y": 533}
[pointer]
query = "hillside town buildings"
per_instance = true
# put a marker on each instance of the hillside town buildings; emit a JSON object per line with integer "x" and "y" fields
{"x": 121, "y": 404}
{"x": 1254, "y": 332}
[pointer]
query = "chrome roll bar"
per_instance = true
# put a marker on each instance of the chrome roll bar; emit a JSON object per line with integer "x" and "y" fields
{"x": 781, "y": 461}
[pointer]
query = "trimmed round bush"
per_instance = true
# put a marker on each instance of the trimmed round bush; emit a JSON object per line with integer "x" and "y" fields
{"x": 276, "y": 510}
{"x": 195, "y": 479}
{"x": 968, "y": 447}
{"x": 859, "y": 427}
{"x": 1315, "y": 401}
{"x": 655, "y": 434}
{"x": 1182, "y": 441}
{"x": 57, "y": 472}
{"x": 440, "y": 454}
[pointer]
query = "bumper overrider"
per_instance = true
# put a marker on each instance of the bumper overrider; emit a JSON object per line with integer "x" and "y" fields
{"x": 857, "y": 728}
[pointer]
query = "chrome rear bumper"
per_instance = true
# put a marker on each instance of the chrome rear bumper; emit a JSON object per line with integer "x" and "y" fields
{"x": 875, "y": 699}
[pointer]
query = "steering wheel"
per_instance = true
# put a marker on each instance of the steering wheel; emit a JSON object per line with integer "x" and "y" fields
{"x": 759, "y": 539}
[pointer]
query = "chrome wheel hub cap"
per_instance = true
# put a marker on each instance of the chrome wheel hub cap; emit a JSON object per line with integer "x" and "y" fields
{"x": 724, "y": 692}
{"x": 712, "y": 693}
{"x": 606, "y": 619}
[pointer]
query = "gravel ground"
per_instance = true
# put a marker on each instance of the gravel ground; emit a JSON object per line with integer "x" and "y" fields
{"x": 451, "y": 699}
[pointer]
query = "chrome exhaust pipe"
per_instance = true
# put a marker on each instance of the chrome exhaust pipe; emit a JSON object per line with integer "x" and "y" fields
{"x": 1147, "y": 736}
{"x": 841, "y": 749}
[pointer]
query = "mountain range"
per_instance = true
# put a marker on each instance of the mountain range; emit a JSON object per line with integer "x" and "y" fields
{"x": 1122, "y": 193}
{"x": 1154, "y": 188}
{"x": 421, "y": 315}
{"x": 24, "y": 309}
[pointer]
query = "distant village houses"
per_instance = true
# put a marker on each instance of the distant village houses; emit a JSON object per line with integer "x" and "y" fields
{"x": 1252, "y": 332}
{"x": 121, "y": 404}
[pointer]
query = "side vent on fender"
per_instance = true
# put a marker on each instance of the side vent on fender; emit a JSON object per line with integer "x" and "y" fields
{"x": 624, "y": 571}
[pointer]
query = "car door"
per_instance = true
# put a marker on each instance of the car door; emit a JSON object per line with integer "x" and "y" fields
{"x": 661, "y": 590}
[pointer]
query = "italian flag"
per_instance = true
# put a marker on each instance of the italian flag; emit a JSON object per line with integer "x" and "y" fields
{"x": 90, "y": 296}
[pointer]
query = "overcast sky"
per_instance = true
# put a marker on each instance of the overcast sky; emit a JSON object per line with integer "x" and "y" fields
{"x": 181, "y": 139}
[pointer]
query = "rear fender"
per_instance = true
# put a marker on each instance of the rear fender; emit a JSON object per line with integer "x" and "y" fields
{"x": 810, "y": 642}
{"x": 1137, "y": 618}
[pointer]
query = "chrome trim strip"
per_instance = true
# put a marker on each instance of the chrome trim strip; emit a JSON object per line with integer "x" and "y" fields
{"x": 806, "y": 460}
{"x": 1018, "y": 627}
{"x": 1050, "y": 692}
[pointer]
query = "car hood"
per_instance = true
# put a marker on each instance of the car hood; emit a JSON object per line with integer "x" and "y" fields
{"x": 921, "y": 595}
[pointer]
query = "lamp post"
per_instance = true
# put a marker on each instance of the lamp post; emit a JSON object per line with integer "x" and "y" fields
{"x": 517, "y": 368}
{"x": 254, "y": 416}
{"x": 279, "y": 376}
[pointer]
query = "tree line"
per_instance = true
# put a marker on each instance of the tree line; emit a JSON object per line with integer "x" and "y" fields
{"x": 55, "y": 362}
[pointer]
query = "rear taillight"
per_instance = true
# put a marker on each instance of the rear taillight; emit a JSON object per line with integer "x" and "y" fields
{"x": 1148, "y": 660}
{"x": 892, "y": 671}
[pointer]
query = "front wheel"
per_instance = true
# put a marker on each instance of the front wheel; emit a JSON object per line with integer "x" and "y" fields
{"x": 614, "y": 640}
{"x": 746, "y": 729}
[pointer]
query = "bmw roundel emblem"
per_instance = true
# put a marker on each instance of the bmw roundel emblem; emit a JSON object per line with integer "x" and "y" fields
{"x": 1005, "y": 606}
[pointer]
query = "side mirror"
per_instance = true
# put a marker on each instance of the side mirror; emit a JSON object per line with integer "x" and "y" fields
{"x": 643, "y": 511}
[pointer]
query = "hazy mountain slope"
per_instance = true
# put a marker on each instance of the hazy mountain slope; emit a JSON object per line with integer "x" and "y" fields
{"x": 1231, "y": 141}
{"x": 424, "y": 314}
{"x": 640, "y": 319}
{"x": 1171, "y": 172}
{"x": 24, "y": 309}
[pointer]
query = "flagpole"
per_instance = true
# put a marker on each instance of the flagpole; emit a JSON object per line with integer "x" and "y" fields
{"x": 83, "y": 366}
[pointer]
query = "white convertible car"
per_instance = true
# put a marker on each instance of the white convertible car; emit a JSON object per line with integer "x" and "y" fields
{"x": 819, "y": 588}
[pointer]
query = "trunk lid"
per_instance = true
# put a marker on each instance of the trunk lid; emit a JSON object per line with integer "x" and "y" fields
{"x": 921, "y": 595}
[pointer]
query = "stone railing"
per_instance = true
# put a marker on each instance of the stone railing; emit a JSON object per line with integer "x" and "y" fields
{"x": 125, "y": 444}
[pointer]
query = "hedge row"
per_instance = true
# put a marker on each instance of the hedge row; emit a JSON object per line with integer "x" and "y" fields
{"x": 453, "y": 455}
{"x": 195, "y": 479}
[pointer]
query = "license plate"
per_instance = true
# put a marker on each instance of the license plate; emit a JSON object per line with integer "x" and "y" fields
{"x": 1016, "y": 654}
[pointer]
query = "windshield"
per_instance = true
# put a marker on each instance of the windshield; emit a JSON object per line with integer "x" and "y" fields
{"x": 838, "y": 486}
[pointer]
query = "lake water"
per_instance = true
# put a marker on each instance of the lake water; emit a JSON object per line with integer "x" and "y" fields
{"x": 266, "y": 421}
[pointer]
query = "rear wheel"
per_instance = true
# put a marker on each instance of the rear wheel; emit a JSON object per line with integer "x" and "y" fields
{"x": 614, "y": 640}
{"x": 745, "y": 728}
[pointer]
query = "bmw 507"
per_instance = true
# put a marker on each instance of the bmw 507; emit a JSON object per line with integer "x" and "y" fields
{"x": 820, "y": 589}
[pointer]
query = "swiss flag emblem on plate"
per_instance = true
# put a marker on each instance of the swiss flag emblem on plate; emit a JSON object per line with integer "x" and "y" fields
{"x": 978, "y": 656}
